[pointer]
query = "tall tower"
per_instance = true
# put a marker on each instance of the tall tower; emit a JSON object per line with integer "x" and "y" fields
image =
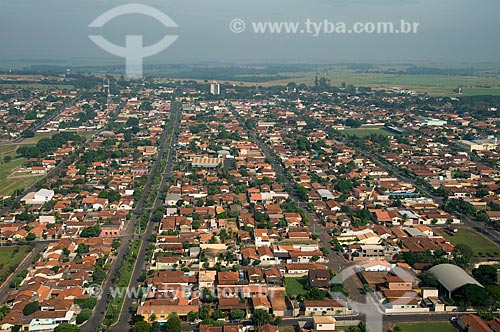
{"x": 215, "y": 88}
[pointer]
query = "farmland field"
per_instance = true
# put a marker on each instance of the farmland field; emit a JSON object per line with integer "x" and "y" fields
{"x": 439, "y": 85}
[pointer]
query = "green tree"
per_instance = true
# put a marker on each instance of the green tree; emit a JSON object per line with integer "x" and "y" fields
{"x": 486, "y": 275}
{"x": 316, "y": 294}
{"x": 66, "y": 327}
{"x": 218, "y": 314}
{"x": 464, "y": 251}
{"x": 261, "y": 317}
{"x": 83, "y": 316}
{"x": 174, "y": 323}
{"x": 236, "y": 314}
{"x": 4, "y": 310}
{"x": 31, "y": 308}
{"x": 192, "y": 316}
{"x": 141, "y": 326}
{"x": 91, "y": 231}
{"x": 203, "y": 313}
{"x": 207, "y": 296}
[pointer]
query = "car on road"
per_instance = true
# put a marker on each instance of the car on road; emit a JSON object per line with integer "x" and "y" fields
{"x": 453, "y": 319}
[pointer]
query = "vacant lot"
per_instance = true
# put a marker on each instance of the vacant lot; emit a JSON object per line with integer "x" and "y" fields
{"x": 479, "y": 244}
{"x": 427, "y": 327}
{"x": 10, "y": 257}
{"x": 296, "y": 286}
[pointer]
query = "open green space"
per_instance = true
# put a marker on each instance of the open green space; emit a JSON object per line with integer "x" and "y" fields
{"x": 427, "y": 327}
{"x": 296, "y": 286}
{"x": 364, "y": 132}
{"x": 10, "y": 185}
{"x": 10, "y": 257}
{"x": 478, "y": 243}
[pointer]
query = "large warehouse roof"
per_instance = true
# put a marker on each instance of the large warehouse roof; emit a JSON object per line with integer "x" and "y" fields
{"x": 452, "y": 277}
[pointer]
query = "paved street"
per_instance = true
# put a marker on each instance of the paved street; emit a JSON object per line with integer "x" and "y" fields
{"x": 123, "y": 323}
{"x": 97, "y": 318}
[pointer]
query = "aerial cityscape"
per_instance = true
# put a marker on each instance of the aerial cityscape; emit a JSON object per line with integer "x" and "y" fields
{"x": 268, "y": 196}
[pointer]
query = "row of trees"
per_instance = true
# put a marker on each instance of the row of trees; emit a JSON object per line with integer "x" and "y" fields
{"x": 46, "y": 146}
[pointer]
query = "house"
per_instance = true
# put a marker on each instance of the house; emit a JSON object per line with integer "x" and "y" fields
{"x": 10, "y": 320}
{"x": 48, "y": 320}
{"x": 261, "y": 302}
{"x": 324, "y": 323}
{"x": 273, "y": 276}
{"x": 472, "y": 323}
{"x": 319, "y": 278}
{"x": 266, "y": 256}
{"x": 302, "y": 269}
{"x": 227, "y": 304}
{"x": 227, "y": 278}
{"x": 377, "y": 266}
{"x": 162, "y": 308}
{"x": 367, "y": 252}
{"x": 206, "y": 279}
{"x": 398, "y": 283}
{"x": 268, "y": 328}
{"x": 261, "y": 237}
{"x": 325, "y": 308}
{"x": 255, "y": 275}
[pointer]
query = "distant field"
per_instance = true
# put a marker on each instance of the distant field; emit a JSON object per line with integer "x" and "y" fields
{"x": 478, "y": 243}
{"x": 427, "y": 327}
{"x": 8, "y": 258}
{"x": 431, "y": 84}
{"x": 363, "y": 132}
{"x": 36, "y": 86}
{"x": 295, "y": 286}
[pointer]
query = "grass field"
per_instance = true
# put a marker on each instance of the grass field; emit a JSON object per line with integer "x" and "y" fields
{"x": 10, "y": 257}
{"x": 295, "y": 286}
{"x": 427, "y": 327}
{"x": 479, "y": 244}
{"x": 8, "y": 186}
{"x": 364, "y": 132}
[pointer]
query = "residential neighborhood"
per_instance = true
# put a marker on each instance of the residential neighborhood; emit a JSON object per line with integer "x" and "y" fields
{"x": 249, "y": 210}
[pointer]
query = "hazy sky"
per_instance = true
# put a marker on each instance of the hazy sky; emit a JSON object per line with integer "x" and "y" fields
{"x": 451, "y": 31}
